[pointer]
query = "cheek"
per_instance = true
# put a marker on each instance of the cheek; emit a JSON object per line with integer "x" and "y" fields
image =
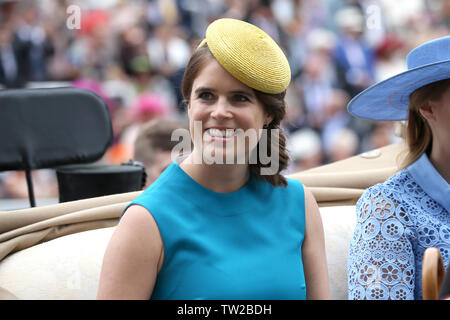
{"x": 192, "y": 116}
{"x": 261, "y": 116}
{"x": 254, "y": 119}
{"x": 196, "y": 120}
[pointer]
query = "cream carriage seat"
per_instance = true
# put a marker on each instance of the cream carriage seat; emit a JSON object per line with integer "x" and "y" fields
{"x": 68, "y": 267}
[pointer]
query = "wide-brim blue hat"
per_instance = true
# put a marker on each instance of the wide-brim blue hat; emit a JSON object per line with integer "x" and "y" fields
{"x": 388, "y": 100}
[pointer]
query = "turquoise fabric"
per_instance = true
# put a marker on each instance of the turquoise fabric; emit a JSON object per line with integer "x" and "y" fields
{"x": 396, "y": 222}
{"x": 240, "y": 245}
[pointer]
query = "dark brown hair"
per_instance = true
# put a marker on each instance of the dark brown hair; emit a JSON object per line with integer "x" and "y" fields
{"x": 274, "y": 105}
{"x": 418, "y": 133}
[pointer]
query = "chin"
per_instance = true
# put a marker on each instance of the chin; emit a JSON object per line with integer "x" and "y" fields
{"x": 220, "y": 155}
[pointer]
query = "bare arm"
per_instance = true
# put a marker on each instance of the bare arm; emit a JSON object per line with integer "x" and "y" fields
{"x": 132, "y": 258}
{"x": 313, "y": 252}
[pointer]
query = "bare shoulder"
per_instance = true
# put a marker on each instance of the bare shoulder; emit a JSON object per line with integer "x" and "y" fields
{"x": 313, "y": 219}
{"x": 308, "y": 194}
{"x": 137, "y": 216}
{"x": 132, "y": 258}
{"x": 138, "y": 225}
{"x": 311, "y": 206}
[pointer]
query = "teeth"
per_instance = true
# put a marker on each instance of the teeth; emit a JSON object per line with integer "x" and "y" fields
{"x": 221, "y": 133}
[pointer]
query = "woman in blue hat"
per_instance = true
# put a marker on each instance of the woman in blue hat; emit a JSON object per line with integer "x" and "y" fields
{"x": 399, "y": 219}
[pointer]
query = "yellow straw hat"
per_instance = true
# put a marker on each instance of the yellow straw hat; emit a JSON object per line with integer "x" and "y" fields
{"x": 248, "y": 54}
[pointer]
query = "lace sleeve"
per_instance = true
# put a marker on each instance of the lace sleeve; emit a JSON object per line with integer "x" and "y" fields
{"x": 381, "y": 258}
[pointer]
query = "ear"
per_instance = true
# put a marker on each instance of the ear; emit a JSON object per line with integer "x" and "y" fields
{"x": 268, "y": 120}
{"x": 427, "y": 110}
{"x": 188, "y": 106}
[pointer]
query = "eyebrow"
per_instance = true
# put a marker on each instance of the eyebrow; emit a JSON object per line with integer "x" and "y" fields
{"x": 200, "y": 89}
{"x": 244, "y": 92}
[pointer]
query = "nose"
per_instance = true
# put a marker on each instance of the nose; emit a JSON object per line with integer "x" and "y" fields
{"x": 221, "y": 110}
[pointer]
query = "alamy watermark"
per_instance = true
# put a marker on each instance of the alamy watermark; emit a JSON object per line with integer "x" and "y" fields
{"x": 373, "y": 17}
{"x": 230, "y": 146}
{"x": 73, "y": 20}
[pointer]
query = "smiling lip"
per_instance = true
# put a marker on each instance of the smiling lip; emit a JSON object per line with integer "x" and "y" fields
{"x": 220, "y": 138}
{"x": 220, "y": 128}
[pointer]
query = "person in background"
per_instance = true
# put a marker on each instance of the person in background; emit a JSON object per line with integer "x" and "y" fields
{"x": 397, "y": 220}
{"x": 146, "y": 107}
{"x": 354, "y": 58}
{"x": 305, "y": 149}
{"x": 153, "y": 146}
{"x": 13, "y": 73}
{"x": 344, "y": 144}
{"x": 209, "y": 229}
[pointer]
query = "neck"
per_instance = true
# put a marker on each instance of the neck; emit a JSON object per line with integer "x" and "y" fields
{"x": 440, "y": 158}
{"x": 221, "y": 178}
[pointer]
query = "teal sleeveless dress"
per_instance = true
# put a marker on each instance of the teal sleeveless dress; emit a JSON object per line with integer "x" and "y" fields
{"x": 227, "y": 246}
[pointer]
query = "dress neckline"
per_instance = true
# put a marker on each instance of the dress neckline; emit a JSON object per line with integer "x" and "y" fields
{"x": 230, "y": 203}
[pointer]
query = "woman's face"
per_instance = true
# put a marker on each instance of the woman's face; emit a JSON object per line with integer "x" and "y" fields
{"x": 440, "y": 125}
{"x": 228, "y": 111}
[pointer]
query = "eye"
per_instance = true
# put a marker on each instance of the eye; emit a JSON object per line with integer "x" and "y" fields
{"x": 240, "y": 98}
{"x": 205, "y": 95}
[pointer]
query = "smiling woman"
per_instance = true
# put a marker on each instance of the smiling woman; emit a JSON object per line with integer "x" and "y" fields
{"x": 261, "y": 142}
{"x": 228, "y": 110}
{"x": 217, "y": 229}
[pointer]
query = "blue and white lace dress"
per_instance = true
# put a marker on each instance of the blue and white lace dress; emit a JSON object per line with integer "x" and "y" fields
{"x": 396, "y": 222}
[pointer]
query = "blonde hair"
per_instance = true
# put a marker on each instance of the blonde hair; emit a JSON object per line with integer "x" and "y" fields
{"x": 418, "y": 134}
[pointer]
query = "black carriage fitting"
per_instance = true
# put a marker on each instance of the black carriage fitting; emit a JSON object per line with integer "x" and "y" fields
{"x": 48, "y": 128}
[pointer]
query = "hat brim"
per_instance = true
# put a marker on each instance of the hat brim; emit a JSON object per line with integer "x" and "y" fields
{"x": 388, "y": 100}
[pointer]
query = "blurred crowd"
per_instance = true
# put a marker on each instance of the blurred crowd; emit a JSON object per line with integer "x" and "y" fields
{"x": 133, "y": 53}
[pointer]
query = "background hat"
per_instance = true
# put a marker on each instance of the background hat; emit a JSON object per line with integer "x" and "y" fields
{"x": 304, "y": 143}
{"x": 249, "y": 54}
{"x": 96, "y": 87}
{"x": 350, "y": 18}
{"x": 150, "y": 103}
{"x": 389, "y": 99}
